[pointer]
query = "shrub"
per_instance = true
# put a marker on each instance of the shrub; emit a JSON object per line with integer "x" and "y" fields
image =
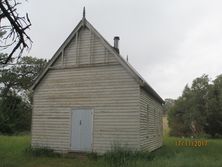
{"x": 15, "y": 115}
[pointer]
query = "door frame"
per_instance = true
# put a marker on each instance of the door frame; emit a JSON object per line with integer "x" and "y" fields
{"x": 92, "y": 132}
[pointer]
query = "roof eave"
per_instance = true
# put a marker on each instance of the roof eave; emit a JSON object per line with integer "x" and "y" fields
{"x": 153, "y": 93}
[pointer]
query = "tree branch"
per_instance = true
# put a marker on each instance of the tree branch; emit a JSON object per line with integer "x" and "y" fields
{"x": 16, "y": 33}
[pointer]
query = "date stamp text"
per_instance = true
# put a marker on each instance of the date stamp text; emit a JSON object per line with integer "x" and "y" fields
{"x": 191, "y": 143}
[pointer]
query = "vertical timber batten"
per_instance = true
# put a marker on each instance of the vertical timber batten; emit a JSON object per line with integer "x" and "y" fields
{"x": 77, "y": 48}
{"x": 62, "y": 57}
{"x": 105, "y": 56}
{"x": 91, "y": 47}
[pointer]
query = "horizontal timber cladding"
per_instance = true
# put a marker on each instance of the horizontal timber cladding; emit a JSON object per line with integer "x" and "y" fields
{"x": 85, "y": 48}
{"x": 109, "y": 90}
{"x": 151, "y": 129}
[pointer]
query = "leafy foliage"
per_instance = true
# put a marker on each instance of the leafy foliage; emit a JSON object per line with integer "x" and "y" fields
{"x": 15, "y": 96}
{"x": 214, "y": 114}
{"x": 19, "y": 77}
{"x": 199, "y": 110}
{"x": 15, "y": 115}
{"x": 168, "y": 104}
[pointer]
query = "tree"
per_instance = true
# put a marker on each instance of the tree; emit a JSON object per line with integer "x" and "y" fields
{"x": 19, "y": 77}
{"x": 169, "y": 103}
{"x": 214, "y": 114}
{"x": 15, "y": 115}
{"x": 199, "y": 109}
{"x": 189, "y": 114}
{"x": 13, "y": 29}
{"x": 198, "y": 105}
{"x": 15, "y": 96}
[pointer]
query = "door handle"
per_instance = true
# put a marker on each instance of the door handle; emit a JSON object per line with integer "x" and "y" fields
{"x": 80, "y": 122}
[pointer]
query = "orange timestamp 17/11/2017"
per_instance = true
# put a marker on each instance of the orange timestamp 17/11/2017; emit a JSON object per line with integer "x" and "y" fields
{"x": 191, "y": 143}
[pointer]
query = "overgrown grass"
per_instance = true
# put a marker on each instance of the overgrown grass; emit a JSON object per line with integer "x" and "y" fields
{"x": 15, "y": 152}
{"x": 122, "y": 156}
{"x": 41, "y": 152}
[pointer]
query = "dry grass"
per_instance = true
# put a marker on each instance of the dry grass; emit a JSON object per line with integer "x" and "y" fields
{"x": 165, "y": 126}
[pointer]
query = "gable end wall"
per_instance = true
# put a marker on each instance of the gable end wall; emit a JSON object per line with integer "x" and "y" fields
{"x": 86, "y": 75}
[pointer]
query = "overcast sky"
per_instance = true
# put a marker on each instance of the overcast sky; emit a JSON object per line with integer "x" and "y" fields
{"x": 169, "y": 42}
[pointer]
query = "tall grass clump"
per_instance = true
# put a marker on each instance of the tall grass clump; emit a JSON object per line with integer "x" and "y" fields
{"x": 122, "y": 156}
{"x": 118, "y": 156}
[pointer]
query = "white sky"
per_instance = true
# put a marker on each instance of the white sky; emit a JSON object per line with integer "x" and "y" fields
{"x": 169, "y": 42}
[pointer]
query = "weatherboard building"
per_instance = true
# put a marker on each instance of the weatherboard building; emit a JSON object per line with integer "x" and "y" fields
{"x": 89, "y": 98}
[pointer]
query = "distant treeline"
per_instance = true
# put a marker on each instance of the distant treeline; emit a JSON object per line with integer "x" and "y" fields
{"x": 198, "y": 112}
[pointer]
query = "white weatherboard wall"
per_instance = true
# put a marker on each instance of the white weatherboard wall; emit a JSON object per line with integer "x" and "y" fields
{"x": 89, "y": 76}
{"x": 151, "y": 128}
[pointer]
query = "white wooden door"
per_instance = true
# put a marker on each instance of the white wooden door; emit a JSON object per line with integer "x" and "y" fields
{"x": 81, "y": 137}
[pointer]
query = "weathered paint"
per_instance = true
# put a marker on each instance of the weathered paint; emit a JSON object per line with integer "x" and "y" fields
{"x": 151, "y": 128}
{"x": 87, "y": 74}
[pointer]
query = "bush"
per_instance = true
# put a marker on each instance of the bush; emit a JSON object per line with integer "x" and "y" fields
{"x": 15, "y": 115}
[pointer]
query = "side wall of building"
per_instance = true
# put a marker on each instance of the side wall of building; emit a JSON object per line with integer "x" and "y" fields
{"x": 151, "y": 128}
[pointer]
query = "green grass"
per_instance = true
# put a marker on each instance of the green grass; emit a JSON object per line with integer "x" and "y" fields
{"x": 13, "y": 154}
